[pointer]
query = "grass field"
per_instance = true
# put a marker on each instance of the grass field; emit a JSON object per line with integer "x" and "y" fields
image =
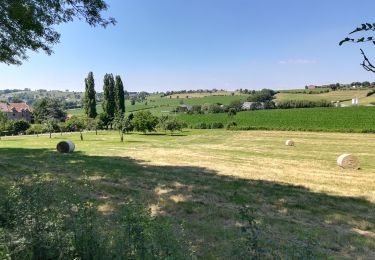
{"x": 350, "y": 119}
{"x": 201, "y": 178}
{"x": 339, "y": 95}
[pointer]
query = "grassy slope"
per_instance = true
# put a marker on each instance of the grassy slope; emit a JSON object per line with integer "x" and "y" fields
{"x": 351, "y": 119}
{"x": 203, "y": 177}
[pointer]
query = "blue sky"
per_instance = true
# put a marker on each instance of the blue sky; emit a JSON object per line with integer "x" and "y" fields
{"x": 161, "y": 45}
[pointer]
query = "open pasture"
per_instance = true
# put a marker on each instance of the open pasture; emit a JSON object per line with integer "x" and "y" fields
{"x": 201, "y": 178}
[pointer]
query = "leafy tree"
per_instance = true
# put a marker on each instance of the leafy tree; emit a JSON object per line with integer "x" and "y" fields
{"x": 93, "y": 124}
{"x": 129, "y": 126}
{"x": 30, "y": 25}
{"x": 236, "y": 105}
{"x": 51, "y": 124}
{"x": 144, "y": 121}
{"x": 262, "y": 95}
{"x": 362, "y": 29}
{"x": 119, "y": 96}
{"x": 90, "y": 96}
{"x": 172, "y": 125}
{"x": 132, "y": 102}
{"x": 109, "y": 104}
{"x": 104, "y": 120}
{"x": 46, "y": 108}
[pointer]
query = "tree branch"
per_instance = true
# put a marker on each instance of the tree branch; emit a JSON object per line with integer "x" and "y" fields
{"x": 366, "y": 64}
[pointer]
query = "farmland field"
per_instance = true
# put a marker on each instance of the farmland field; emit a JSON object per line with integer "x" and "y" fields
{"x": 339, "y": 95}
{"x": 201, "y": 178}
{"x": 351, "y": 119}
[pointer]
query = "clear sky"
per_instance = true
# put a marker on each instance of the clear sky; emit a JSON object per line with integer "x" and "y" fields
{"x": 161, "y": 45}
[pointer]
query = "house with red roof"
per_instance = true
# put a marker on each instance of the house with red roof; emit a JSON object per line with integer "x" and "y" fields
{"x": 16, "y": 111}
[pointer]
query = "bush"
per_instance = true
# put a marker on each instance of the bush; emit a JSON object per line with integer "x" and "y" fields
{"x": 217, "y": 125}
{"x": 36, "y": 129}
{"x": 231, "y": 125}
{"x": 19, "y": 126}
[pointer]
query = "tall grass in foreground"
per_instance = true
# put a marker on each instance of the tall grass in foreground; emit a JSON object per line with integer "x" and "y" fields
{"x": 352, "y": 119}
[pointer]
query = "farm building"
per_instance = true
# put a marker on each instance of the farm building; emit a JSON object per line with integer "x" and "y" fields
{"x": 185, "y": 107}
{"x": 15, "y": 111}
{"x": 252, "y": 105}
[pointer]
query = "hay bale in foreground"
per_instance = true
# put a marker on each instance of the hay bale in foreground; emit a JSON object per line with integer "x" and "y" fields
{"x": 348, "y": 161}
{"x": 289, "y": 143}
{"x": 65, "y": 147}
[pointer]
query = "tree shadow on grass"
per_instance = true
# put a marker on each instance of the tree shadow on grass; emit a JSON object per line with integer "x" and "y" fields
{"x": 208, "y": 203}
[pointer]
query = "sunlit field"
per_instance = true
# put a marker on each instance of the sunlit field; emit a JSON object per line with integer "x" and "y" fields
{"x": 202, "y": 178}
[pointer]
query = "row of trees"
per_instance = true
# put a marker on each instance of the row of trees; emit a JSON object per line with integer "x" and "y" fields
{"x": 113, "y": 97}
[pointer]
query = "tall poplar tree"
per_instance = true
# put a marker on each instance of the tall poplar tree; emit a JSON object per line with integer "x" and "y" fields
{"x": 109, "y": 105}
{"x": 119, "y": 96}
{"x": 90, "y": 96}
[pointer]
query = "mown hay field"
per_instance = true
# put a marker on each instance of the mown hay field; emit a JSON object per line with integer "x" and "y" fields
{"x": 201, "y": 178}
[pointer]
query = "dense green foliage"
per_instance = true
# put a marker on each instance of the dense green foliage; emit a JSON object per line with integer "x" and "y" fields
{"x": 119, "y": 96}
{"x": 109, "y": 103}
{"x": 144, "y": 121}
{"x": 353, "y": 119}
{"x": 89, "y": 102}
{"x": 48, "y": 108}
{"x": 30, "y": 25}
{"x": 263, "y": 95}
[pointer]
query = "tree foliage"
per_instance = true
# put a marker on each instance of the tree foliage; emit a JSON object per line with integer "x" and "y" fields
{"x": 109, "y": 103}
{"x": 48, "y": 108}
{"x": 90, "y": 96}
{"x": 31, "y": 25}
{"x": 119, "y": 96}
{"x": 362, "y": 29}
{"x": 144, "y": 121}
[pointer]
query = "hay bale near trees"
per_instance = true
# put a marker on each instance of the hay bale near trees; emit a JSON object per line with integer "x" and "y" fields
{"x": 289, "y": 143}
{"x": 348, "y": 161}
{"x": 65, "y": 147}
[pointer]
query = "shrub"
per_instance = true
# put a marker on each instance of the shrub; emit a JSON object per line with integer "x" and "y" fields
{"x": 217, "y": 125}
{"x": 36, "y": 129}
{"x": 231, "y": 125}
{"x": 19, "y": 126}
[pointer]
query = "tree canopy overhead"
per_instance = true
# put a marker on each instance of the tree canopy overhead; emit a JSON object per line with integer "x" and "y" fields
{"x": 363, "y": 29}
{"x": 30, "y": 25}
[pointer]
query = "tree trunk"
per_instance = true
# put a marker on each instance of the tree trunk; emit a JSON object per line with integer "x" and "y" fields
{"x": 81, "y": 136}
{"x": 50, "y": 134}
{"x": 122, "y": 137}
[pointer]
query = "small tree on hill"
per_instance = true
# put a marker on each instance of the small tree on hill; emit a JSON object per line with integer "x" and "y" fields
{"x": 90, "y": 96}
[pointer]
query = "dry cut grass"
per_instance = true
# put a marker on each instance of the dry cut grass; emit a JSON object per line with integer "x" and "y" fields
{"x": 202, "y": 178}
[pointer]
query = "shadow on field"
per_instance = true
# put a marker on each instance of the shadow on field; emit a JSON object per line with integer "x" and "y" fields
{"x": 208, "y": 204}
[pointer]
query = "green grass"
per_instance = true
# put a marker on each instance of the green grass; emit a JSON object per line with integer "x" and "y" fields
{"x": 351, "y": 119}
{"x": 201, "y": 178}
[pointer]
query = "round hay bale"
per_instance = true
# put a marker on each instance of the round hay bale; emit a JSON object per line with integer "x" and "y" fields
{"x": 348, "y": 161}
{"x": 289, "y": 143}
{"x": 65, "y": 147}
